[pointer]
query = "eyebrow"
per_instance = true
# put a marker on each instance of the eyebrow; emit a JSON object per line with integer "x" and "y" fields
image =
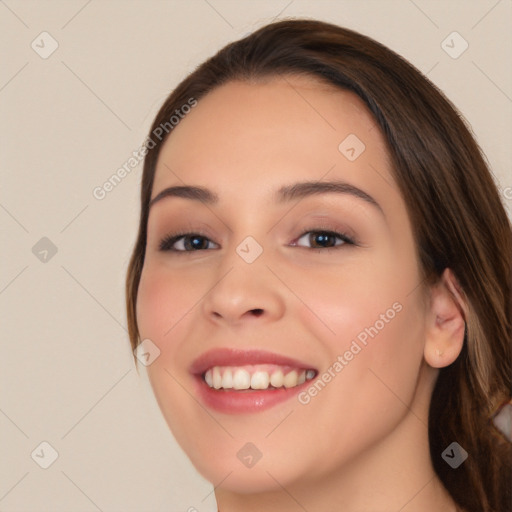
{"x": 286, "y": 193}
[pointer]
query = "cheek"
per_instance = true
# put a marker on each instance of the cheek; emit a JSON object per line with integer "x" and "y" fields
{"x": 371, "y": 326}
{"x": 359, "y": 299}
{"x": 152, "y": 305}
{"x": 381, "y": 344}
{"x": 163, "y": 300}
{"x": 370, "y": 384}
{"x": 164, "y": 306}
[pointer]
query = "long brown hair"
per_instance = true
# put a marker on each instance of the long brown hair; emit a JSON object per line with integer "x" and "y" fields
{"x": 458, "y": 219}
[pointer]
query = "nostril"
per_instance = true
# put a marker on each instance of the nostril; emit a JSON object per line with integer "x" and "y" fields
{"x": 257, "y": 312}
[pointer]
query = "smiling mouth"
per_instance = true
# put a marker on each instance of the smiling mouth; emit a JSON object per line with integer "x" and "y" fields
{"x": 235, "y": 381}
{"x": 256, "y": 377}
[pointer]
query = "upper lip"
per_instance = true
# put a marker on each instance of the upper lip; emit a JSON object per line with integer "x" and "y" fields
{"x": 237, "y": 357}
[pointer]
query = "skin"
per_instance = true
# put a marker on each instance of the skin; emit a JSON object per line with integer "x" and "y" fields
{"x": 362, "y": 441}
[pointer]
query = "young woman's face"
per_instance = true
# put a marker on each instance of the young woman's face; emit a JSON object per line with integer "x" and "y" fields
{"x": 263, "y": 287}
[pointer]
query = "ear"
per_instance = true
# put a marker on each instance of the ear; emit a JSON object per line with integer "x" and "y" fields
{"x": 446, "y": 322}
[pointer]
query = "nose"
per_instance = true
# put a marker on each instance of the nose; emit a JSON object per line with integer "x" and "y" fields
{"x": 243, "y": 293}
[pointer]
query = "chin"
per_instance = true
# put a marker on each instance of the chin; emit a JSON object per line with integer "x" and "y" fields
{"x": 232, "y": 475}
{"x": 246, "y": 481}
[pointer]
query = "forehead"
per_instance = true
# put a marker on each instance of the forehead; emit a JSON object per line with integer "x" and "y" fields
{"x": 253, "y": 135}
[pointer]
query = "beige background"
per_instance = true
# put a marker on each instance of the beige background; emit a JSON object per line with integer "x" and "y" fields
{"x": 68, "y": 123}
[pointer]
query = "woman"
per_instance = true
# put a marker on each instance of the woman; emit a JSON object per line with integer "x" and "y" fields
{"x": 324, "y": 266}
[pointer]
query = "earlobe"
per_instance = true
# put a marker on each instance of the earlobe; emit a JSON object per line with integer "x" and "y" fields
{"x": 446, "y": 322}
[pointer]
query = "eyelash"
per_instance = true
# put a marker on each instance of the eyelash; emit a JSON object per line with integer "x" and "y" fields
{"x": 168, "y": 241}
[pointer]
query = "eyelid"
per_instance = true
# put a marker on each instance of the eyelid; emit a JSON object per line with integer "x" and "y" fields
{"x": 345, "y": 234}
{"x": 172, "y": 238}
{"x": 345, "y": 239}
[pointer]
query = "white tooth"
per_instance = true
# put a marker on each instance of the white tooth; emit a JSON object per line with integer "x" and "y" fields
{"x": 217, "y": 377}
{"x": 241, "y": 379}
{"x": 260, "y": 380}
{"x": 302, "y": 377}
{"x": 290, "y": 379}
{"x": 310, "y": 374}
{"x": 208, "y": 378}
{"x": 276, "y": 379}
{"x": 227, "y": 379}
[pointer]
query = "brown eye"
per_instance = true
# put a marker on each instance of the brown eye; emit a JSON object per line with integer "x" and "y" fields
{"x": 187, "y": 242}
{"x": 324, "y": 239}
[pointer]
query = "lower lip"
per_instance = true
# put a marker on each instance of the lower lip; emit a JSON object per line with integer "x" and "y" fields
{"x": 244, "y": 401}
